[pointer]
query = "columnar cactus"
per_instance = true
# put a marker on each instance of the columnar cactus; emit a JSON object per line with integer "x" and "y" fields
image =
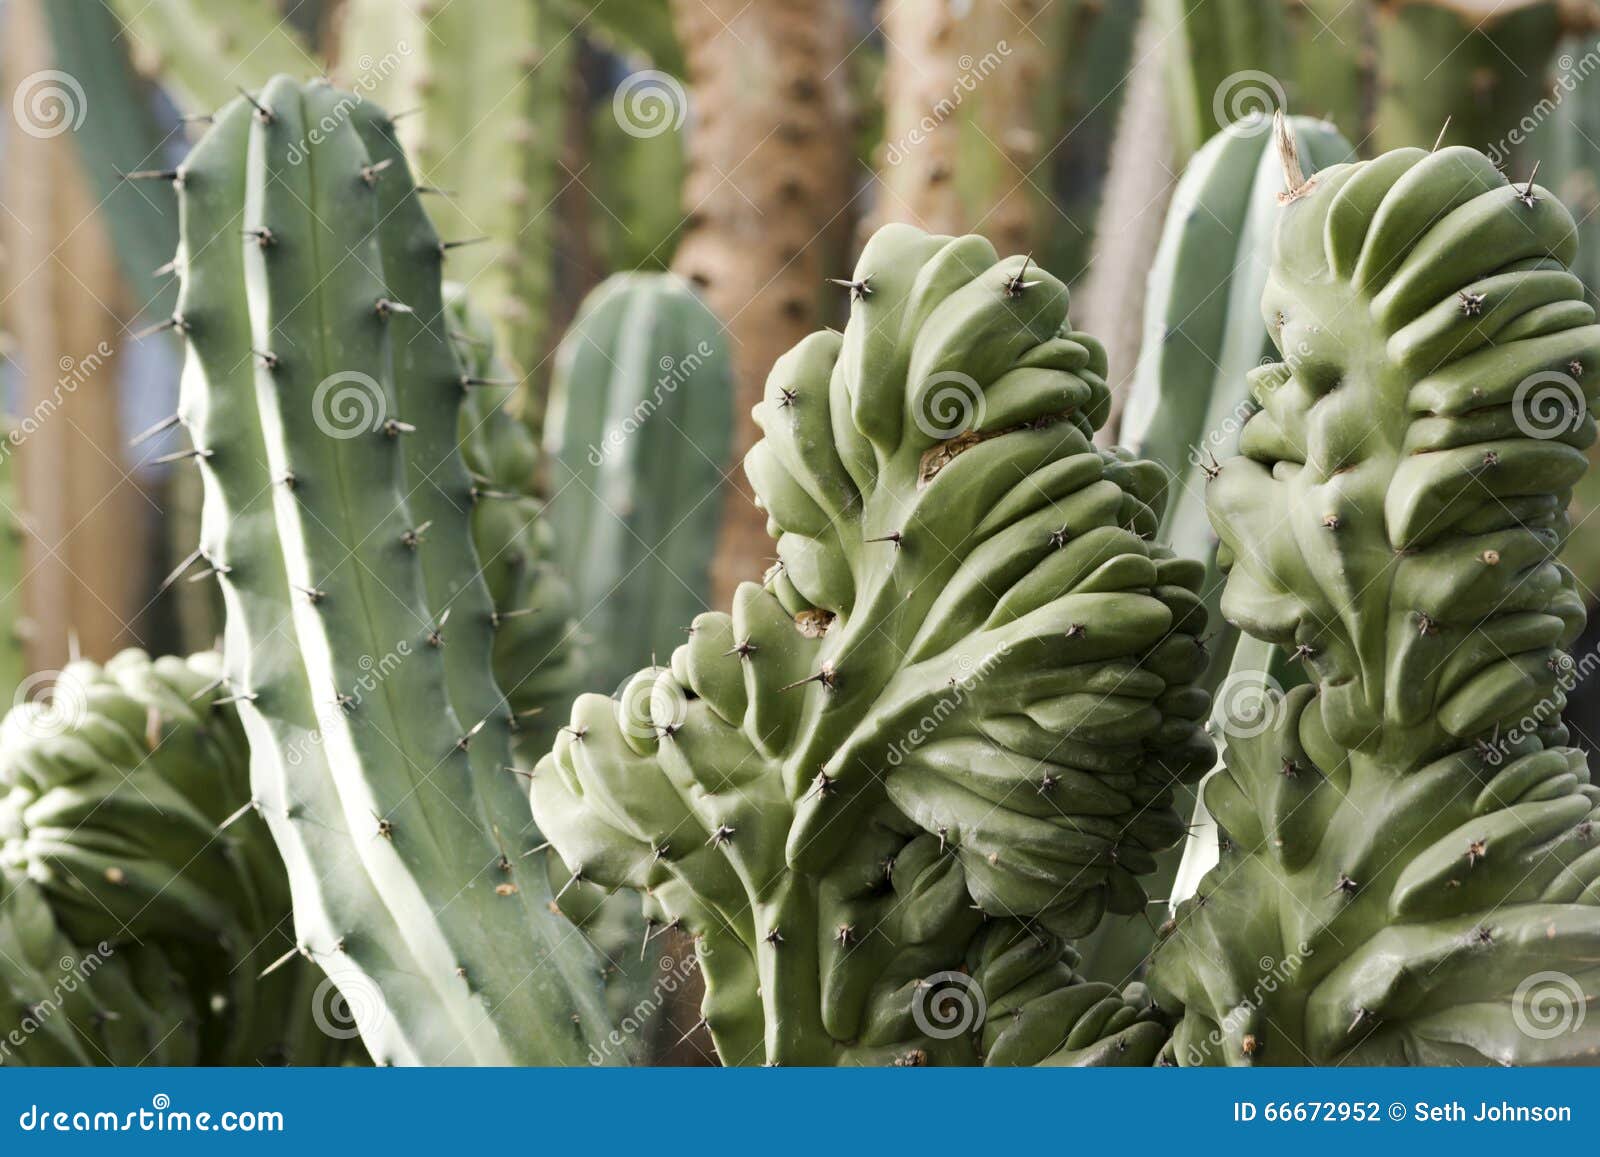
{"x": 323, "y": 397}
{"x": 639, "y": 431}
{"x": 961, "y": 700}
{"x": 1409, "y": 839}
{"x": 145, "y": 907}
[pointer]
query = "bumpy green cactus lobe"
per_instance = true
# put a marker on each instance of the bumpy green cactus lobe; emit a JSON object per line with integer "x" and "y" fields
{"x": 638, "y": 433}
{"x": 359, "y": 697}
{"x": 963, "y": 692}
{"x": 126, "y": 811}
{"x": 85, "y": 1005}
{"x": 1410, "y": 840}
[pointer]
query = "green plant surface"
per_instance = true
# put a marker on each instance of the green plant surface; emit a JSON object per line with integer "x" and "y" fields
{"x": 639, "y": 430}
{"x": 358, "y": 632}
{"x": 202, "y": 51}
{"x": 1408, "y": 839}
{"x": 483, "y": 85}
{"x": 958, "y": 706}
{"x": 14, "y": 623}
{"x": 135, "y": 866}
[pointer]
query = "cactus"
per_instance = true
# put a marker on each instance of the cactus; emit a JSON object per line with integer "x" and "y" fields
{"x": 14, "y": 623}
{"x": 203, "y": 51}
{"x": 537, "y": 660}
{"x": 125, "y": 824}
{"x": 1388, "y": 75}
{"x": 337, "y": 518}
{"x": 1409, "y": 838}
{"x": 960, "y": 702}
{"x": 638, "y": 433}
{"x": 485, "y": 81}
{"x": 1203, "y": 330}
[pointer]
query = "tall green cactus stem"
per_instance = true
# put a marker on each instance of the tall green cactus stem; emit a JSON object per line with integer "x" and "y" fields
{"x": 202, "y": 51}
{"x": 125, "y": 807}
{"x": 1408, "y": 839}
{"x": 537, "y": 658}
{"x": 370, "y": 751}
{"x": 14, "y": 625}
{"x": 639, "y": 431}
{"x": 1480, "y": 66}
{"x": 963, "y": 693}
{"x": 485, "y": 82}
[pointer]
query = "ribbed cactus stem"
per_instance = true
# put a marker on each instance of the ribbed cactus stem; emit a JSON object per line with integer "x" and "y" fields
{"x": 396, "y": 802}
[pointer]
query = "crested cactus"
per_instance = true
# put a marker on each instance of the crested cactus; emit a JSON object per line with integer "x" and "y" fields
{"x": 638, "y": 434}
{"x": 1409, "y": 838}
{"x": 134, "y": 865}
{"x": 323, "y": 397}
{"x": 952, "y": 718}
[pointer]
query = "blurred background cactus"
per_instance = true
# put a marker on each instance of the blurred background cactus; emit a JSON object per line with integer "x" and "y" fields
{"x": 638, "y": 207}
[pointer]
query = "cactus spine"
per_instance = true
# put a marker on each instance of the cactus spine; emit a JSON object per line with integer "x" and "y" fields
{"x": 1409, "y": 836}
{"x": 379, "y": 757}
{"x": 638, "y": 434}
{"x": 958, "y": 564}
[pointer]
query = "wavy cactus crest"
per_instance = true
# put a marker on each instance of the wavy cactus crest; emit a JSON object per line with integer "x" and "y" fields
{"x": 964, "y": 693}
{"x": 1409, "y": 838}
{"x": 130, "y": 862}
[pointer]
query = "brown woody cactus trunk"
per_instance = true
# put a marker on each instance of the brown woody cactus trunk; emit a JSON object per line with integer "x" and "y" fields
{"x": 965, "y": 87}
{"x": 765, "y": 202}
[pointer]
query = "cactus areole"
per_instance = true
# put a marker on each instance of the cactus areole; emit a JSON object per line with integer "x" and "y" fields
{"x": 945, "y": 732}
{"x": 1408, "y": 842}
